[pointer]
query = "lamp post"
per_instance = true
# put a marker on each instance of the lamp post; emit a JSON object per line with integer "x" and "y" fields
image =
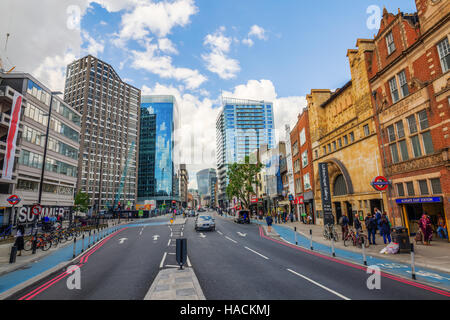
{"x": 41, "y": 183}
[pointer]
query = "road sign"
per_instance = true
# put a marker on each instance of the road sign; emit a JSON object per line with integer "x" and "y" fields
{"x": 36, "y": 210}
{"x": 13, "y": 200}
{"x": 380, "y": 183}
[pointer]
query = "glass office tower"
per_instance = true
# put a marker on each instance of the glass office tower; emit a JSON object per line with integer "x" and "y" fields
{"x": 241, "y": 127}
{"x": 158, "y": 164}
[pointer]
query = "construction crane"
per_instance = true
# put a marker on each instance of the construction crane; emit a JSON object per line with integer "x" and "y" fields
{"x": 124, "y": 174}
{"x": 1, "y": 62}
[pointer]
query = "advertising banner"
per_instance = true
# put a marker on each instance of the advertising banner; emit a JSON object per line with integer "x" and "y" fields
{"x": 328, "y": 218}
{"x": 8, "y": 163}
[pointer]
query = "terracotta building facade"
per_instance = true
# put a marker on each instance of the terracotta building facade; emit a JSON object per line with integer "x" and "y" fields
{"x": 410, "y": 82}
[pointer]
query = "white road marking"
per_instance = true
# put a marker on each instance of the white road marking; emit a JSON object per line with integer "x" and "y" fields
{"x": 171, "y": 266}
{"x": 168, "y": 244}
{"x": 155, "y": 237}
{"x": 172, "y": 253}
{"x": 319, "y": 285}
{"x": 219, "y": 232}
{"x": 189, "y": 262}
{"x": 122, "y": 240}
{"x": 242, "y": 234}
{"x": 259, "y": 254}
{"x": 171, "y": 234}
{"x": 163, "y": 259}
{"x": 231, "y": 239}
{"x": 202, "y": 235}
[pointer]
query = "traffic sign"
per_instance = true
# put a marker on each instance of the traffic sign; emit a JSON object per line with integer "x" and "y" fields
{"x": 13, "y": 200}
{"x": 36, "y": 210}
{"x": 380, "y": 183}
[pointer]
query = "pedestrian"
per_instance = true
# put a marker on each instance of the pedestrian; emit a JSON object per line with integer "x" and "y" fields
{"x": 304, "y": 217}
{"x": 19, "y": 239}
{"x": 309, "y": 219}
{"x": 385, "y": 228}
{"x": 442, "y": 228}
{"x": 378, "y": 218}
{"x": 344, "y": 225}
{"x": 269, "y": 221}
{"x": 425, "y": 226}
{"x": 291, "y": 217}
{"x": 371, "y": 227}
{"x": 357, "y": 225}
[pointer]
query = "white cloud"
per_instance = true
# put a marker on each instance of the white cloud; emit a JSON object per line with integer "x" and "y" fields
{"x": 165, "y": 45}
{"x": 94, "y": 47}
{"x": 258, "y": 32}
{"x": 248, "y": 42}
{"x": 161, "y": 65}
{"x": 217, "y": 60}
{"x": 157, "y": 18}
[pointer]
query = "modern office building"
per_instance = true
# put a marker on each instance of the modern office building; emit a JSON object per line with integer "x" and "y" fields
{"x": 109, "y": 132}
{"x": 242, "y": 127}
{"x": 158, "y": 165}
{"x": 60, "y": 174}
{"x": 204, "y": 181}
{"x": 184, "y": 182}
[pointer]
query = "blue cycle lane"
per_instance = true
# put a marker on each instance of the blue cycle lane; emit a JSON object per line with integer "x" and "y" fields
{"x": 12, "y": 279}
{"x": 441, "y": 279}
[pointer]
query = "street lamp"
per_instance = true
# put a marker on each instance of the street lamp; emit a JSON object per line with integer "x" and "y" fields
{"x": 41, "y": 183}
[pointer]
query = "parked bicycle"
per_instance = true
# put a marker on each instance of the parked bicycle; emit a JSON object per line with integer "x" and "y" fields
{"x": 355, "y": 239}
{"x": 330, "y": 233}
{"x": 42, "y": 241}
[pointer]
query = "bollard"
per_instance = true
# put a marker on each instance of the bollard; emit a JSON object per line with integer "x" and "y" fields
{"x": 89, "y": 240}
{"x": 34, "y": 245}
{"x": 74, "y": 246}
{"x": 363, "y": 251}
{"x": 413, "y": 268}
{"x": 12, "y": 257}
{"x": 295, "y": 233}
{"x": 82, "y": 243}
{"x": 311, "y": 243}
{"x": 332, "y": 247}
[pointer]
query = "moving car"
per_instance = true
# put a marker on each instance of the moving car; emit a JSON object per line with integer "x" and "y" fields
{"x": 242, "y": 216}
{"x": 205, "y": 222}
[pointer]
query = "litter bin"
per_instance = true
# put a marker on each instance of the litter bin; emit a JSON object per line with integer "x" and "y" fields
{"x": 400, "y": 235}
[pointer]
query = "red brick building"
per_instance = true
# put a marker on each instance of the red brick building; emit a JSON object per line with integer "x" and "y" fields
{"x": 410, "y": 80}
{"x": 303, "y": 166}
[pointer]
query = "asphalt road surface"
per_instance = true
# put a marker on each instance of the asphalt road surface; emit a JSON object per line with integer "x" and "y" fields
{"x": 235, "y": 262}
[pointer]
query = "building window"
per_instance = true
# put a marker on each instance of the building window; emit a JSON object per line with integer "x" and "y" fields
{"x": 366, "y": 130}
{"x": 423, "y": 120}
{"x": 423, "y": 187}
{"x": 436, "y": 186}
{"x": 295, "y": 148}
{"x": 305, "y": 158}
{"x": 427, "y": 143}
{"x": 306, "y": 182}
{"x": 352, "y": 137}
{"x": 394, "y": 90}
{"x": 400, "y": 189}
{"x": 329, "y": 147}
{"x": 302, "y": 137}
{"x": 403, "y": 83}
{"x": 404, "y": 150}
{"x": 391, "y": 133}
{"x": 316, "y": 154}
{"x": 400, "y": 129}
{"x": 416, "y": 146}
{"x": 394, "y": 153}
{"x": 340, "y": 143}
{"x": 334, "y": 145}
{"x": 298, "y": 185}
{"x": 412, "y": 124}
{"x": 324, "y": 150}
{"x": 410, "y": 188}
{"x": 339, "y": 187}
{"x": 345, "y": 140}
{"x": 390, "y": 43}
{"x": 444, "y": 54}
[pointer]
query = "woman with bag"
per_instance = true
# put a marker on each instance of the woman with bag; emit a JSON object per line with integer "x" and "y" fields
{"x": 19, "y": 239}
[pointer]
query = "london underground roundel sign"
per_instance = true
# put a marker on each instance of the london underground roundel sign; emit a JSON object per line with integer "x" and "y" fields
{"x": 13, "y": 200}
{"x": 380, "y": 183}
{"x": 36, "y": 210}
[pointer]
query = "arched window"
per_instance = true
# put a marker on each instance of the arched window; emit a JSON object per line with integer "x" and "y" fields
{"x": 340, "y": 188}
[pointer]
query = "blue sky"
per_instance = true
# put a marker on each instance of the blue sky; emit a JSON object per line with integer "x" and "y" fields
{"x": 305, "y": 48}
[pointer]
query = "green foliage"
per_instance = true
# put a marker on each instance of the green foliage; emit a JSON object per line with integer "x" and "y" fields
{"x": 82, "y": 201}
{"x": 242, "y": 177}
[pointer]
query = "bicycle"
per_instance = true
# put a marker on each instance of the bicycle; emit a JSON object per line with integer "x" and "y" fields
{"x": 41, "y": 242}
{"x": 356, "y": 240}
{"x": 330, "y": 233}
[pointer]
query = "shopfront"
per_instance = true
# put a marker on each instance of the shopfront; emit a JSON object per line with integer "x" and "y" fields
{"x": 309, "y": 206}
{"x": 413, "y": 209}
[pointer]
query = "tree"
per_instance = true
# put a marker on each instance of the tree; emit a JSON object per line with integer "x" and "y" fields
{"x": 242, "y": 178}
{"x": 81, "y": 201}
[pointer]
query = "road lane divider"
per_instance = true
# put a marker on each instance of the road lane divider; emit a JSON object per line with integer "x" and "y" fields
{"x": 231, "y": 239}
{"x": 259, "y": 254}
{"x": 319, "y": 285}
{"x": 161, "y": 265}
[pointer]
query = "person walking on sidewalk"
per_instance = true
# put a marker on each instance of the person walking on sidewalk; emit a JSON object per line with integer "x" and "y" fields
{"x": 378, "y": 219}
{"x": 385, "y": 228}
{"x": 344, "y": 225}
{"x": 291, "y": 217}
{"x": 442, "y": 228}
{"x": 425, "y": 226}
{"x": 19, "y": 239}
{"x": 269, "y": 221}
{"x": 357, "y": 225}
{"x": 371, "y": 226}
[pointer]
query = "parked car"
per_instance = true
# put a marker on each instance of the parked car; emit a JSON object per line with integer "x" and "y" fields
{"x": 205, "y": 222}
{"x": 242, "y": 216}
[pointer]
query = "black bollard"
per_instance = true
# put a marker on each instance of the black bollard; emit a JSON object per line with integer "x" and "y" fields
{"x": 12, "y": 257}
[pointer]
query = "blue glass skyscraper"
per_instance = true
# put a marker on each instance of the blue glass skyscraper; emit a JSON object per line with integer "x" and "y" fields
{"x": 241, "y": 127}
{"x": 157, "y": 174}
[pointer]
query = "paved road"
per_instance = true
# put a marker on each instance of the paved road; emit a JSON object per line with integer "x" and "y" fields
{"x": 236, "y": 262}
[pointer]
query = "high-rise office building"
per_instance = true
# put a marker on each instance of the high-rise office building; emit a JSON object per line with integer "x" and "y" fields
{"x": 158, "y": 161}
{"x": 204, "y": 181}
{"x": 242, "y": 127}
{"x": 109, "y": 132}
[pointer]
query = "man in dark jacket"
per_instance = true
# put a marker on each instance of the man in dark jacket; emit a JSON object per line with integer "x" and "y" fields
{"x": 357, "y": 225}
{"x": 385, "y": 228}
{"x": 344, "y": 226}
{"x": 371, "y": 225}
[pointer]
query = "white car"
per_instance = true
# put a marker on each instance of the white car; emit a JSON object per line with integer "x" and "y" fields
{"x": 205, "y": 222}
